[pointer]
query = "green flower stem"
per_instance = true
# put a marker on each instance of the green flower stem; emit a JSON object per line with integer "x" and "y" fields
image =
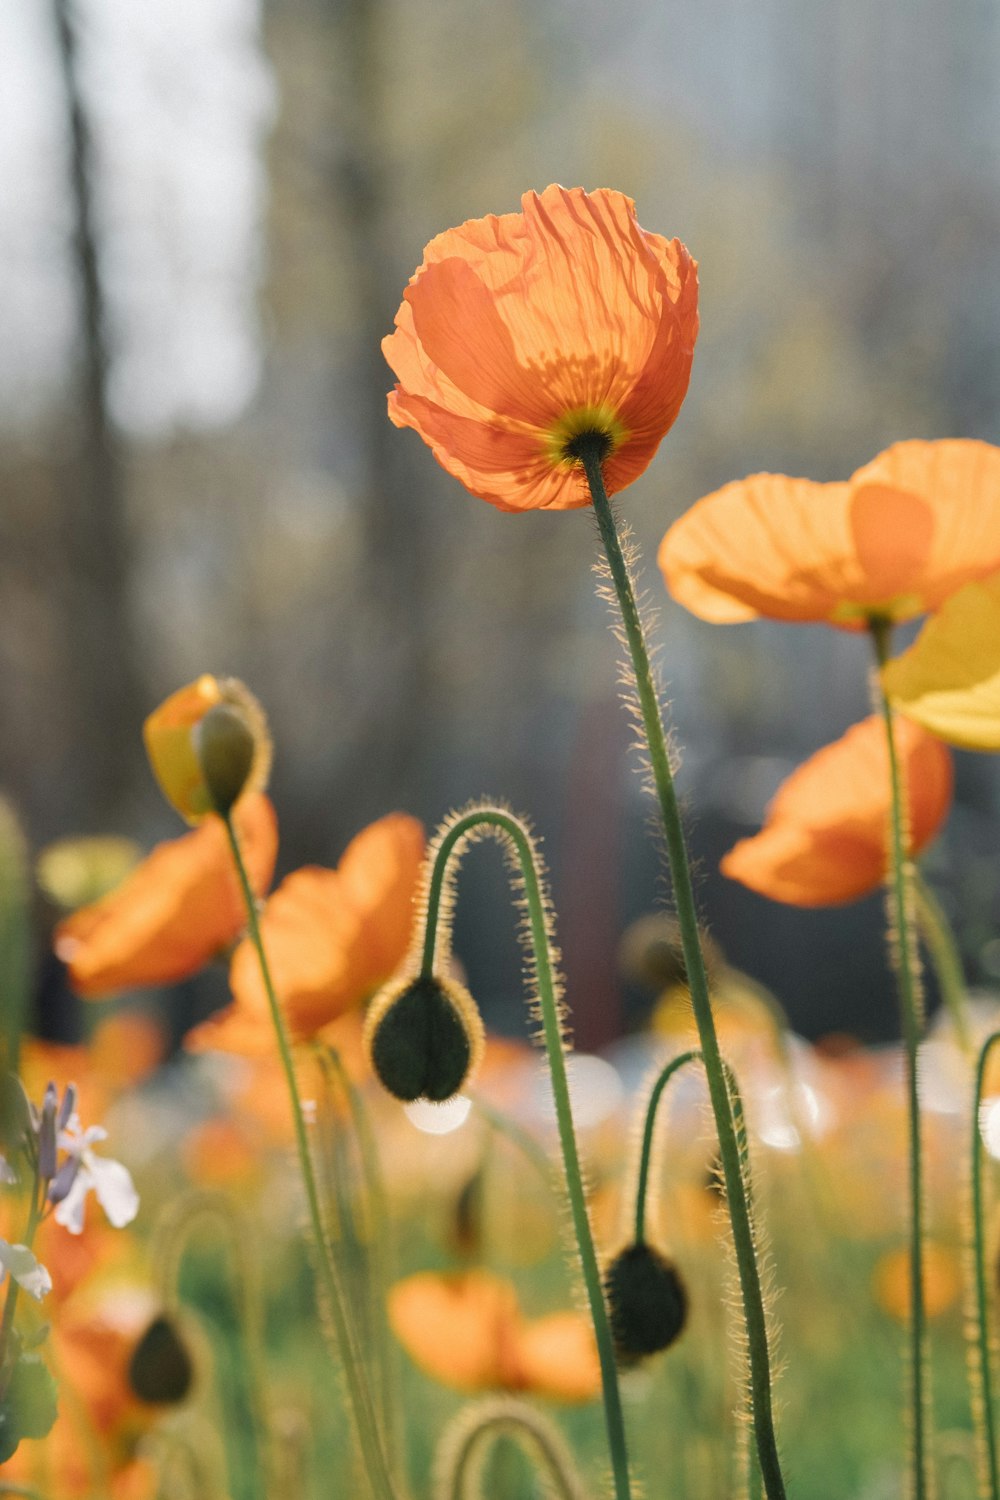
{"x": 38, "y": 1190}
{"x": 646, "y": 1150}
{"x": 980, "y": 1361}
{"x": 481, "y": 1426}
{"x": 510, "y": 830}
{"x": 939, "y": 940}
{"x": 376, "y": 1463}
{"x": 380, "y": 1229}
{"x": 908, "y": 977}
{"x": 591, "y": 454}
{"x": 503, "y": 1125}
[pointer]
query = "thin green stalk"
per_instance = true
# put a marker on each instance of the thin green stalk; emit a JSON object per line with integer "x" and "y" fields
{"x": 908, "y": 978}
{"x": 511, "y": 831}
{"x": 981, "y": 1360}
{"x": 646, "y": 1150}
{"x": 380, "y": 1239}
{"x": 376, "y": 1463}
{"x": 503, "y": 1125}
{"x": 939, "y": 940}
{"x": 591, "y": 452}
{"x": 7, "y": 1365}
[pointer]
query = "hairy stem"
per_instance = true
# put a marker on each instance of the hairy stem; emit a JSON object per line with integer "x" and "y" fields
{"x": 906, "y": 963}
{"x": 939, "y": 940}
{"x": 511, "y": 831}
{"x": 981, "y": 1345}
{"x": 591, "y": 454}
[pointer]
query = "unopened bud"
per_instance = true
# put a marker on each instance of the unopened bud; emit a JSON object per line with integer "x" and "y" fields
{"x": 424, "y": 1037}
{"x": 47, "y": 1134}
{"x": 161, "y": 1369}
{"x": 225, "y": 747}
{"x": 647, "y": 1302}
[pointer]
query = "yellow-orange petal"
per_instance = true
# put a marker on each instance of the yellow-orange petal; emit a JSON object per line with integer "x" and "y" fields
{"x": 171, "y": 736}
{"x": 179, "y": 908}
{"x": 906, "y": 530}
{"x": 824, "y": 840}
{"x": 461, "y": 1330}
{"x": 558, "y": 1357}
{"x": 333, "y": 936}
{"x": 949, "y": 679}
{"x": 513, "y": 324}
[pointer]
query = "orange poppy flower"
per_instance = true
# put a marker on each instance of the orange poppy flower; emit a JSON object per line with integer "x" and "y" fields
{"x": 178, "y": 909}
{"x": 331, "y": 938}
{"x": 468, "y": 1332}
{"x": 893, "y": 542}
{"x": 517, "y": 334}
{"x": 824, "y": 841}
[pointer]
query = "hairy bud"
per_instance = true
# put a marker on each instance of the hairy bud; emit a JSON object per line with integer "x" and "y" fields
{"x": 647, "y": 1302}
{"x": 424, "y": 1037}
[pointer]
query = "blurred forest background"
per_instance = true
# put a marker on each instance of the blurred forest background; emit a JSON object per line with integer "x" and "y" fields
{"x": 210, "y": 210}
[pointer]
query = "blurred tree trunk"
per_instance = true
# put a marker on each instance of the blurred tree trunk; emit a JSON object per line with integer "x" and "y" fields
{"x": 390, "y": 627}
{"x": 101, "y": 674}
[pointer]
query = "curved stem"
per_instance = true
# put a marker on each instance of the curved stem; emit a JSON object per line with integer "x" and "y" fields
{"x": 591, "y": 454}
{"x": 362, "y": 1408}
{"x": 503, "y": 1125}
{"x": 939, "y": 940}
{"x": 907, "y": 974}
{"x": 510, "y": 830}
{"x": 646, "y": 1150}
{"x": 980, "y": 1362}
{"x": 494, "y": 1420}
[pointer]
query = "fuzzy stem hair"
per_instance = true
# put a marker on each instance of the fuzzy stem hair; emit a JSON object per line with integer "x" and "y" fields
{"x": 981, "y": 1341}
{"x": 639, "y": 676}
{"x": 464, "y": 1445}
{"x": 433, "y": 945}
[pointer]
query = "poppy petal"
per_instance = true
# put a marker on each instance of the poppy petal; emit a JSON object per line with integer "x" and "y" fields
{"x": 949, "y": 679}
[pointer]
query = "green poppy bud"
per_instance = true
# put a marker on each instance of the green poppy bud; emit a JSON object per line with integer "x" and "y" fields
{"x": 424, "y": 1037}
{"x": 161, "y": 1369}
{"x": 647, "y": 1302}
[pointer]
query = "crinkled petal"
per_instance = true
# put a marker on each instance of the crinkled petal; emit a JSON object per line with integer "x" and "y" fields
{"x": 949, "y": 679}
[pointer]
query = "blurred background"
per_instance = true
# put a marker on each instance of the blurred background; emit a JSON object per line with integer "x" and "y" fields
{"x": 210, "y": 210}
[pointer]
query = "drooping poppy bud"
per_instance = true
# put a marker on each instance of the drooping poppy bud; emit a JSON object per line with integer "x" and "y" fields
{"x": 208, "y": 744}
{"x": 647, "y": 1302}
{"x": 161, "y": 1369}
{"x": 424, "y": 1037}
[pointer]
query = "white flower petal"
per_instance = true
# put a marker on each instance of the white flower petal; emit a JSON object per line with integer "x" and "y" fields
{"x": 25, "y": 1269}
{"x": 115, "y": 1191}
{"x": 69, "y": 1213}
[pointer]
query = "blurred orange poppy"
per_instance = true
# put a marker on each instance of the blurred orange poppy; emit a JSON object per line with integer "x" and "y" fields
{"x": 331, "y": 938}
{"x": 893, "y": 542}
{"x": 177, "y": 910}
{"x": 942, "y": 1279}
{"x": 518, "y": 334}
{"x": 825, "y": 838}
{"x": 467, "y": 1331}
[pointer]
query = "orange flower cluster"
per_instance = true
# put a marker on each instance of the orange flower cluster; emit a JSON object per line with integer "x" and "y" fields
{"x": 519, "y": 333}
{"x": 332, "y": 936}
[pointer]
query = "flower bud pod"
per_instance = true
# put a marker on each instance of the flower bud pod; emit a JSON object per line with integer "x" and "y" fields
{"x": 161, "y": 1369}
{"x": 424, "y": 1037}
{"x": 47, "y": 1134}
{"x": 647, "y": 1302}
{"x": 208, "y": 744}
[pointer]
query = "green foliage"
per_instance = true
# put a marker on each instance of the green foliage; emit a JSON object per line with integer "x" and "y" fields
{"x": 29, "y": 1408}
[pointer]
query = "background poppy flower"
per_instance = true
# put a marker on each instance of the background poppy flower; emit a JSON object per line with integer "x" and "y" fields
{"x": 519, "y": 333}
{"x": 902, "y": 534}
{"x": 331, "y": 937}
{"x": 467, "y": 1331}
{"x": 949, "y": 679}
{"x": 177, "y": 909}
{"x": 825, "y": 838}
